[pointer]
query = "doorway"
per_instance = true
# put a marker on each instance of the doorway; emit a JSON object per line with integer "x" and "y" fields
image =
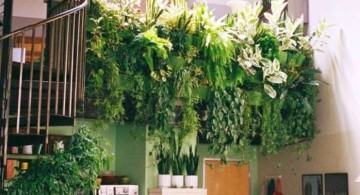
{"x": 232, "y": 178}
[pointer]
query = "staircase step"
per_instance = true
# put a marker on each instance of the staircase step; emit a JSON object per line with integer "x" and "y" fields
{"x": 34, "y": 105}
{"x": 36, "y": 85}
{"x": 36, "y": 71}
{"x": 55, "y": 120}
{"x": 35, "y": 96}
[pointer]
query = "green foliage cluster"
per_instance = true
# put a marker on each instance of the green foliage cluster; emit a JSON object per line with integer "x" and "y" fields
{"x": 177, "y": 159}
{"x": 259, "y": 75}
{"x": 191, "y": 160}
{"x": 71, "y": 171}
{"x": 163, "y": 159}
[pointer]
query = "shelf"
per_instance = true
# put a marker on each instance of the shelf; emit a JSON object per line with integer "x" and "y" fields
{"x": 178, "y": 191}
{"x": 25, "y": 156}
{"x": 25, "y": 139}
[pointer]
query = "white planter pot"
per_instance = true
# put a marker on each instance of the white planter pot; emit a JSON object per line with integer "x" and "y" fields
{"x": 27, "y": 149}
{"x": 177, "y": 181}
{"x": 164, "y": 181}
{"x": 191, "y": 181}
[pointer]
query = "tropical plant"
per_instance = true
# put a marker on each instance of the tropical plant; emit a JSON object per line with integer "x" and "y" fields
{"x": 70, "y": 171}
{"x": 215, "y": 45}
{"x": 191, "y": 161}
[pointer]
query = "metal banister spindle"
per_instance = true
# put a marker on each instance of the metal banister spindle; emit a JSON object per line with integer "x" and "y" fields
{"x": 32, "y": 59}
{"x": 41, "y": 79}
{"x": 22, "y": 53}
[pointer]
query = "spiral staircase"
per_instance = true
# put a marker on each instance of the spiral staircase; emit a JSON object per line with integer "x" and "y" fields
{"x": 41, "y": 74}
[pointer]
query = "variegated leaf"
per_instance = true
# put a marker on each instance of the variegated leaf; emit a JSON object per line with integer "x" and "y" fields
{"x": 270, "y": 90}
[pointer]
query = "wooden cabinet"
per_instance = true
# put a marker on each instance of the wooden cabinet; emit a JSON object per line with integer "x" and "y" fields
{"x": 177, "y": 191}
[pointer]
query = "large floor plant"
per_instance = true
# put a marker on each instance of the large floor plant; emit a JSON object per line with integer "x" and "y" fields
{"x": 71, "y": 171}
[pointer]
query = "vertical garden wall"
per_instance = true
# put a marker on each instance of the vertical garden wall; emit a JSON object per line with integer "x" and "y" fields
{"x": 237, "y": 81}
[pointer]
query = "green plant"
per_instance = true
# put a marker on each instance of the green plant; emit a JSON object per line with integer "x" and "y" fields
{"x": 215, "y": 45}
{"x": 177, "y": 159}
{"x": 226, "y": 130}
{"x": 163, "y": 161}
{"x": 191, "y": 161}
{"x": 177, "y": 165}
{"x": 69, "y": 172}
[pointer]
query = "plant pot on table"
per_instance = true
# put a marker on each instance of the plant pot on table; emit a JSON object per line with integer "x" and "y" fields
{"x": 191, "y": 181}
{"x": 164, "y": 180}
{"x": 177, "y": 181}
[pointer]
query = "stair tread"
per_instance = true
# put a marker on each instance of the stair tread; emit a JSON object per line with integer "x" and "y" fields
{"x": 36, "y": 71}
{"x": 36, "y": 84}
{"x": 55, "y": 120}
{"x": 27, "y": 65}
{"x": 23, "y": 132}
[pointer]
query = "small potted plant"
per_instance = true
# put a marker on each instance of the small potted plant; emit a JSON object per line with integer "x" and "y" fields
{"x": 177, "y": 167}
{"x": 177, "y": 162}
{"x": 191, "y": 161}
{"x": 163, "y": 166}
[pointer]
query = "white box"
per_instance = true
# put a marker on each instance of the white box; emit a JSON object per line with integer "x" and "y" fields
{"x": 16, "y": 55}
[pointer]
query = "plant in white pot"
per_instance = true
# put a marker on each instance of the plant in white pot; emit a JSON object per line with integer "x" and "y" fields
{"x": 177, "y": 164}
{"x": 191, "y": 161}
{"x": 163, "y": 166}
{"x": 177, "y": 167}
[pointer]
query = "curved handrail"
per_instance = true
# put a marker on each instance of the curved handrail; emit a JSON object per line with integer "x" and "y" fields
{"x": 51, "y": 19}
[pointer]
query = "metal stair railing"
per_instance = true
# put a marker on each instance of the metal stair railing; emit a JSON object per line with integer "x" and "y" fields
{"x": 49, "y": 72}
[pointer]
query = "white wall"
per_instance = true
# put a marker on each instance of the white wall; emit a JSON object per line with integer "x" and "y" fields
{"x": 219, "y": 7}
{"x": 29, "y": 8}
{"x": 337, "y": 147}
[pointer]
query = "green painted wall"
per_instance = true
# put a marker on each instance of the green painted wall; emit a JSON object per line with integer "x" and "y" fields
{"x": 140, "y": 166}
{"x": 131, "y": 152}
{"x": 151, "y": 172}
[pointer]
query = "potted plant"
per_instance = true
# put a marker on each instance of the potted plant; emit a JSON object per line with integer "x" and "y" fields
{"x": 177, "y": 166}
{"x": 163, "y": 166}
{"x": 191, "y": 161}
{"x": 177, "y": 160}
{"x": 71, "y": 171}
